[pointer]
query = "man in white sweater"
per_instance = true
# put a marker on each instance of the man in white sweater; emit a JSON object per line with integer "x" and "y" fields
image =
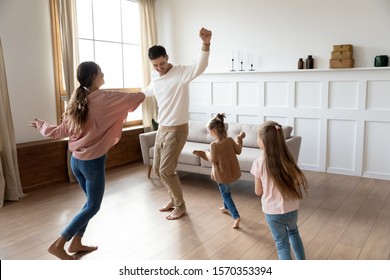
{"x": 170, "y": 85}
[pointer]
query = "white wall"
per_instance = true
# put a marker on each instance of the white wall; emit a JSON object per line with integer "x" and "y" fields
{"x": 26, "y": 39}
{"x": 276, "y": 32}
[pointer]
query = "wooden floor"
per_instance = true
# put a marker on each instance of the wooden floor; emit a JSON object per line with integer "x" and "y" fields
{"x": 343, "y": 218}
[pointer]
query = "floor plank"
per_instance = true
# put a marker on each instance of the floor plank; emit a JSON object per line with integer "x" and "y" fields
{"x": 344, "y": 217}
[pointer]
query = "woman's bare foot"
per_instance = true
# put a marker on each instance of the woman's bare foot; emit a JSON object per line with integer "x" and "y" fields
{"x": 167, "y": 207}
{"x": 224, "y": 210}
{"x": 77, "y": 247}
{"x": 82, "y": 248}
{"x": 57, "y": 249}
{"x": 236, "y": 223}
{"x": 177, "y": 213}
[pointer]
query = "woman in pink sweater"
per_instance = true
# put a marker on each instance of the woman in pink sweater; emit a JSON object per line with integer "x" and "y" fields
{"x": 93, "y": 122}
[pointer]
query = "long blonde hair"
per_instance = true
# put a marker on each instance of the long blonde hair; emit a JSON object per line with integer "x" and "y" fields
{"x": 77, "y": 111}
{"x": 280, "y": 164}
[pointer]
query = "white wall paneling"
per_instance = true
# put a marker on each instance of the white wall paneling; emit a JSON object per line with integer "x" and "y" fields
{"x": 342, "y": 115}
{"x": 377, "y": 152}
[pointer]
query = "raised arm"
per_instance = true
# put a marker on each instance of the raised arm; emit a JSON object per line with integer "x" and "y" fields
{"x": 205, "y": 35}
{"x": 238, "y": 142}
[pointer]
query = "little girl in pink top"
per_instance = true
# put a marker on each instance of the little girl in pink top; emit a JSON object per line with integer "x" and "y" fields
{"x": 93, "y": 122}
{"x": 281, "y": 184}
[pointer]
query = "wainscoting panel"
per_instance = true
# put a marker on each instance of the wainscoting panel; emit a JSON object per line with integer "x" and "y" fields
{"x": 308, "y": 95}
{"x": 248, "y": 94}
{"x": 222, "y": 94}
{"x": 343, "y": 95}
{"x": 343, "y": 115}
{"x": 376, "y": 100}
{"x": 377, "y": 151}
{"x": 276, "y": 94}
{"x": 200, "y": 94}
{"x": 341, "y": 150}
{"x": 309, "y": 130}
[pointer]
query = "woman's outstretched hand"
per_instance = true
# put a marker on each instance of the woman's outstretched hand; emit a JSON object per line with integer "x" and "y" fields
{"x": 33, "y": 123}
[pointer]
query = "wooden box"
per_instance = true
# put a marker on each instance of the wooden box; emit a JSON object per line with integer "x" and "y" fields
{"x": 343, "y": 48}
{"x": 341, "y": 63}
{"x": 341, "y": 55}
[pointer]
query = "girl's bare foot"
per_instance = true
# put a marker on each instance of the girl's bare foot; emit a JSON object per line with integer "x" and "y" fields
{"x": 236, "y": 223}
{"x": 57, "y": 249}
{"x": 224, "y": 210}
{"x": 77, "y": 247}
{"x": 167, "y": 207}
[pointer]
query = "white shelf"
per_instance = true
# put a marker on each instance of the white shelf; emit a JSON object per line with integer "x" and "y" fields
{"x": 303, "y": 70}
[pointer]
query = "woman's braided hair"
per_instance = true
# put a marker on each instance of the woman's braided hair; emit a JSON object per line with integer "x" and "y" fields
{"x": 77, "y": 111}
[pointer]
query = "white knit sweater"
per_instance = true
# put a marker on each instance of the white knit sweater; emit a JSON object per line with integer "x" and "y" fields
{"x": 172, "y": 90}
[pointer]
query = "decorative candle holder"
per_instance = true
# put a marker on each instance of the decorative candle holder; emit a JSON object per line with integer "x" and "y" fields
{"x": 242, "y": 66}
{"x": 232, "y": 65}
{"x": 252, "y": 69}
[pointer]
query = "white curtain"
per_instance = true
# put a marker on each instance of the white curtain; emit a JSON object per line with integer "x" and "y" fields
{"x": 149, "y": 38}
{"x": 10, "y": 185}
{"x": 69, "y": 43}
{"x": 66, "y": 33}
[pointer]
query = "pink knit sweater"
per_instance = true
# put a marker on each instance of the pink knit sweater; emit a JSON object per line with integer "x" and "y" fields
{"x": 103, "y": 129}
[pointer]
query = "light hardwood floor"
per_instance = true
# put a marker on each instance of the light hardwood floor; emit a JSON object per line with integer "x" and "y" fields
{"x": 344, "y": 217}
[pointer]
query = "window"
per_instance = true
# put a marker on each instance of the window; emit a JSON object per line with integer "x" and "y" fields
{"x": 109, "y": 34}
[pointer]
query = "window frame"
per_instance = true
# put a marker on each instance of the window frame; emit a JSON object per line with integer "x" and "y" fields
{"x": 132, "y": 123}
{"x": 60, "y": 91}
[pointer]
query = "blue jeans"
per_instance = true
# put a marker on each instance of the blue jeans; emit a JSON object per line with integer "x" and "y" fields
{"x": 228, "y": 202}
{"x": 91, "y": 177}
{"x": 284, "y": 231}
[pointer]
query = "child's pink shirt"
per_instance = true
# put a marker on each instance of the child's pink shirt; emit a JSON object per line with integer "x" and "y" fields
{"x": 272, "y": 200}
{"x": 103, "y": 129}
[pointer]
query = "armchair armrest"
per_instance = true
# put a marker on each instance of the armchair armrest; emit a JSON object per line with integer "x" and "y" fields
{"x": 294, "y": 145}
{"x": 147, "y": 141}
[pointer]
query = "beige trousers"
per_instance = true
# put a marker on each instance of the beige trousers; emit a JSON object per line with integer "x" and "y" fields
{"x": 169, "y": 143}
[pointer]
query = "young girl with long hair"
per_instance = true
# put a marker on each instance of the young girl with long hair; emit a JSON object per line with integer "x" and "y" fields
{"x": 93, "y": 122}
{"x": 225, "y": 168}
{"x": 281, "y": 185}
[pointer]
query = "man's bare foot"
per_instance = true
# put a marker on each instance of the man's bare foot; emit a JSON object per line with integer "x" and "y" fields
{"x": 224, "y": 210}
{"x": 167, "y": 207}
{"x": 57, "y": 249}
{"x": 236, "y": 223}
{"x": 177, "y": 213}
